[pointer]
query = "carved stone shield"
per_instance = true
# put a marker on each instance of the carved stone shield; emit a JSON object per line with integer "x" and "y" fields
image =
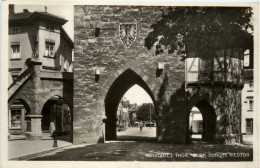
{"x": 127, "y": 33}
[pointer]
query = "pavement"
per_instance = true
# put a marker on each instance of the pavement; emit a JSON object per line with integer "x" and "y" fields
{"x": 21, "y": 149}
{"x": 248, "y": 139}
{"x": 134, "y": 134}
{"x": 133, "y": 145}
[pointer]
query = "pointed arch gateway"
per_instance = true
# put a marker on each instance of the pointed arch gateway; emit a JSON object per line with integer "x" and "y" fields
{"x": 115, "y": 93}
{"x": 208, "y": 120}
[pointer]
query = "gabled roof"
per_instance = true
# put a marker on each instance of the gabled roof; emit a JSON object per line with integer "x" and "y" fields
{"x": 30, "y": 16}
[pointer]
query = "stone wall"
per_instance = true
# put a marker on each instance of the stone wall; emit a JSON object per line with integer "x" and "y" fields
{"x": 36, "y": 91}
{"x": 107, "y": 53}
{"x": 226, "y": 105}
{"x": 96, "y": 97}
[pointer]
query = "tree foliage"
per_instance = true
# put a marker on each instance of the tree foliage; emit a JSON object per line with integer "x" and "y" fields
{"x": 143, "y": 113}
{"x": 184, "y": 29}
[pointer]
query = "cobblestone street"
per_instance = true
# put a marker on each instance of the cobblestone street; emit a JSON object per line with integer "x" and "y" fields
{"x": 138, "y": 148}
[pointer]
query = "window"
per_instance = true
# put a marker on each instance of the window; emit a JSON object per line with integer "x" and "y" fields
{"x": 246, "y": 58}
{"x": 49, "y": 49}
{"x": 192, "y": 69}
{"x": 15, "y": 30}
{"x": 251, "y": 85}
{"x": 14, "y": 76}
{"x": 251, "y": 104}
{"x": 16, "y": 118}
{"x": 16, "y": 51}
{"x": 249, "y": 123}
{"x": 49, "y": 28}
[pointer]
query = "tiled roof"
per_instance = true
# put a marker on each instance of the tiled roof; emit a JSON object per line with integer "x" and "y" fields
{"x": 19, "y": 16}
{"x": 50, "y": 15}
{"x": 32, "y": 15}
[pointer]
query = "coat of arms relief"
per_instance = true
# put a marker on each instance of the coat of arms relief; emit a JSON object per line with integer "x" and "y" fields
{"x": 127, "y": 33}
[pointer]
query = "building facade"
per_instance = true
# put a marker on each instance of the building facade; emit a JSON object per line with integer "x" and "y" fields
{"x": 110, "y": 58}
{"x": 248, "y": 94}
{"x": 37, "y": 39}
{"x": 123, "y": 115}
{"x": 133, "y": 109}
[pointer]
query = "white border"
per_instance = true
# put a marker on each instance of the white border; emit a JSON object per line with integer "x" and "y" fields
{"x": 69, "y": 164}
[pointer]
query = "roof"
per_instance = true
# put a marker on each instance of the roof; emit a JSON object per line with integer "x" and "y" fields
{"x": 66, "y": 36}
{"x": 17, "y": 18}
{"x": 30, "y": 16}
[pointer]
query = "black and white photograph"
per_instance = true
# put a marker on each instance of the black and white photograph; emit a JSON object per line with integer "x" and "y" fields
{"x": 144, "y": 84}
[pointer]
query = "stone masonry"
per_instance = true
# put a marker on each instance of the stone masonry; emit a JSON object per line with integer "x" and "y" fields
{"x": 37, "y": 88}
{"x": 96, "y": 96}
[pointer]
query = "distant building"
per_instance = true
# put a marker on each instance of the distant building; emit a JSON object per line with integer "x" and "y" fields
{"x": 122, "y": 114}
{"x": 248, "y": 94}
{"x": 38, "y": 36}
{"x": 133, "y": 109}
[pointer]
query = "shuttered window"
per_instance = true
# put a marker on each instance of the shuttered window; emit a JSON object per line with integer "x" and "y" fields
{"x": 16, "y": 51}
{"x": 49, "y": 49}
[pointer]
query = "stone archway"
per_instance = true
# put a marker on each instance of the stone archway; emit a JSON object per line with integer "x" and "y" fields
{"x": 27, "y": 104}
{"x": 57, "y": 115}
{"x": 118, "y": 88}
{"x": 209, "y": 120}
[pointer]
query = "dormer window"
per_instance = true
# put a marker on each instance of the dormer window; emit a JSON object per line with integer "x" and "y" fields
{"x": 49, "y": 27}
{"x": 49, "y": 49}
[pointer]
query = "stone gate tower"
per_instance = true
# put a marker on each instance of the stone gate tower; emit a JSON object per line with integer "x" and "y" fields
{"x": 110, "y": 57}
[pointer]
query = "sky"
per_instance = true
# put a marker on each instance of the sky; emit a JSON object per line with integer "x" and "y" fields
{"x": 137, "y": 95}
{"x": 64, "y": 11}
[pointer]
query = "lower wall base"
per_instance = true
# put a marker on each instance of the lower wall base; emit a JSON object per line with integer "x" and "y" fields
{"x": 33, "y": 135}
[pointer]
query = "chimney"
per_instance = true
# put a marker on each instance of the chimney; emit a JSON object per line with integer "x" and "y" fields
{"x": 11, "y": 9}
{"x": 25, "y": 11}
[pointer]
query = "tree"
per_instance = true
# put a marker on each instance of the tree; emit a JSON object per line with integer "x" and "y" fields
{"x": 143, "y": 112}
{"x": 184, "y": 29}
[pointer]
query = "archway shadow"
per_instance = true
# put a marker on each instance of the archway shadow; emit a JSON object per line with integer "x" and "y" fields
{"x": 136, "y": 138}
